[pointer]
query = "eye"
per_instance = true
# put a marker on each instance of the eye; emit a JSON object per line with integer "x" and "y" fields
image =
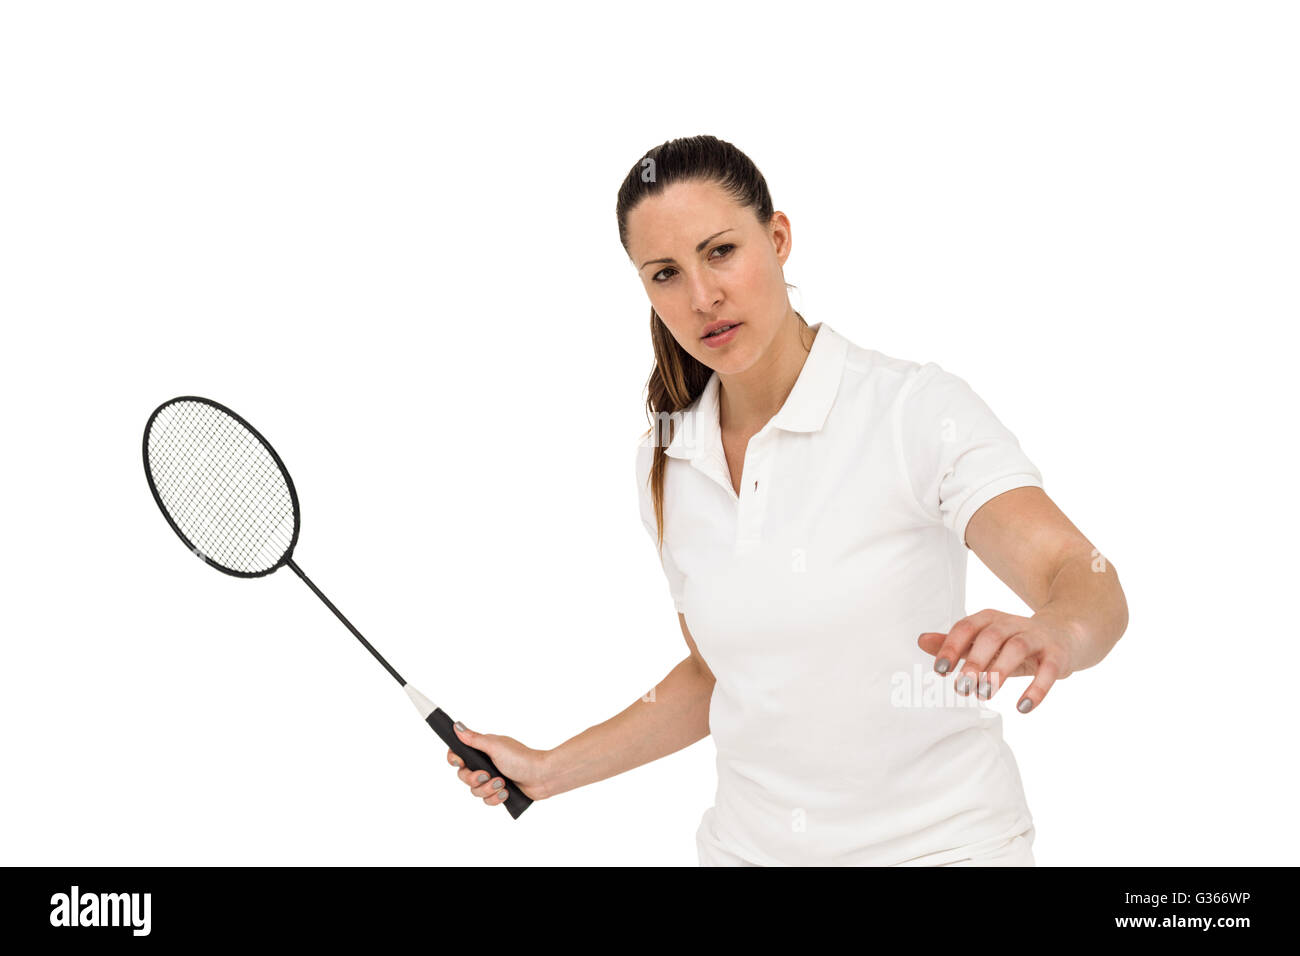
{"x": 728, "y": 246}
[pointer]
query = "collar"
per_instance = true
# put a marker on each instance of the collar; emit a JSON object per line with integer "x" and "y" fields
{"x": 805, "y": 409}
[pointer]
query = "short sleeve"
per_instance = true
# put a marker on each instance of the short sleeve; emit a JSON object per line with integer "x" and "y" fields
{"x": 676, "y": 580}
{"x": 957, "y": 454}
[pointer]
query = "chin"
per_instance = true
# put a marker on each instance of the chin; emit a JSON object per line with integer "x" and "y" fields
{"x": 731, "y": 363}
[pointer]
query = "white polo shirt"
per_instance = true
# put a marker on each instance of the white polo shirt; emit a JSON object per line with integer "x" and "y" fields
{"x": 836, "y": 742}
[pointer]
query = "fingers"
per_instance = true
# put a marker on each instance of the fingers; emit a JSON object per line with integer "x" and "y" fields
{"x": 980, "y": 639}
{"x": 1040, "y": 685}
{"x": 959, "y": 640}
{"x": 482, "y": 784}
{"x": 930, "y": 642}
{"x": 1014, "y": 652}
{"x": 991, "y": 647}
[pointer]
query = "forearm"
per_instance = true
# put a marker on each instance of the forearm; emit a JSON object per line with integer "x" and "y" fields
{"x": 676, "y": 717}
{"x": 1086, "y": 595}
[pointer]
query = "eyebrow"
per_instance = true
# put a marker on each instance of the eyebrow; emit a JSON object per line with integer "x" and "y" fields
{"x": 699, "y": 247}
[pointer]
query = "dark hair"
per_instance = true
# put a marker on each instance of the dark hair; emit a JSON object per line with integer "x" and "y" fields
{"x": 678, "y": 378}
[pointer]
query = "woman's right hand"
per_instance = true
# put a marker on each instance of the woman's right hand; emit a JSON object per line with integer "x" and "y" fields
{"x": 524, "y": 765}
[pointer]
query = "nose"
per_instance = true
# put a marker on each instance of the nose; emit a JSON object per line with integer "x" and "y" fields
{"x": 706, "y": 294}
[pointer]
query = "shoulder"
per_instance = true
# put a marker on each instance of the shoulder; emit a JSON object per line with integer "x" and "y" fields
{"x": 668, "y": 425}
{"x": 888, "y": 378}
{"x": 644, "y": 454}
{"x": 891, "y": 375}
{"x": 912, "y": 393}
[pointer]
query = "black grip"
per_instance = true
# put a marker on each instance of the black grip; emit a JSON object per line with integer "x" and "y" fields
{"x": 517, "y": 802}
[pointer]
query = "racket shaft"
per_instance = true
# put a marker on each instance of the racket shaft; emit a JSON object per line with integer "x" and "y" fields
{"x": 346, "y": 623}
{"x": 477, "y": 760}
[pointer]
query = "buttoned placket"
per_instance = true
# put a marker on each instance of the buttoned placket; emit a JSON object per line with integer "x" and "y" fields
{"x": 751, "y": 503}
{"x": 806, "y": 410}
{"x": 755, "y": 486}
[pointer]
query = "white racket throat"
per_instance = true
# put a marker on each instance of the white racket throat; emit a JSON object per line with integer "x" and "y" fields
{"x": 422, "y": 703}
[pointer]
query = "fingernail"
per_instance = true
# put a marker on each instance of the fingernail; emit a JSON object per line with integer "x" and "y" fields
{"x": 1024, "y": 705}
{"x": 455, "y": 762}
{"x": 497, "y": 784}
{"x": 942, "y": 665}
{"x": 963, "y": 684}
{"x": 460, "y": 726}
{"x": 505, "y": 795}
{"x": 481, "y": 778}
{"x": 984, "y": 689}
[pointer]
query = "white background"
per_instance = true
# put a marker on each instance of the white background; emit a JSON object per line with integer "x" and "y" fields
{"x": 385, "y": 233}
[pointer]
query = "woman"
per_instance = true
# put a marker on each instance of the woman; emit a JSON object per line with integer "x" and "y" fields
{"x": 812, "y": 502}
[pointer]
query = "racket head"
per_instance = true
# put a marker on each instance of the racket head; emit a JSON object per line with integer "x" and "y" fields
{"x": 221, "y": 486}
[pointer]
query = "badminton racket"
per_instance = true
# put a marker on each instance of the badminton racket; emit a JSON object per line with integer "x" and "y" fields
{"x": 228, "y": 496}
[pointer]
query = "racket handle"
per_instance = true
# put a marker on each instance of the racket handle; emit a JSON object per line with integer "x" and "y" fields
{"x": 517, "y": 802}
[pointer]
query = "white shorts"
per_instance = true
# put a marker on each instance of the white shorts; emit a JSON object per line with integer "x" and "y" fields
{"x": 710, "y": 849}
{"x": 1015, "y": 852}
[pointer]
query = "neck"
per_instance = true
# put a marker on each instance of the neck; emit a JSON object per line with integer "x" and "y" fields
{"x": 749, "y": 399}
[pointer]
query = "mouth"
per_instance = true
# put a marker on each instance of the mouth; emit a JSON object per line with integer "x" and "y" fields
{"x": 720, "y": 330}
{"x": 721, "y": 335}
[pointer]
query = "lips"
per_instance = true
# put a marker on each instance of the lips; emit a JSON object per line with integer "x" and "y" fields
{"x": 721, "y": 340}
{"x": 715, "y": 327}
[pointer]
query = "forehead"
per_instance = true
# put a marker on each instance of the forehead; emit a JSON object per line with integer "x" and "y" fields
{"x": 681, "y": 215}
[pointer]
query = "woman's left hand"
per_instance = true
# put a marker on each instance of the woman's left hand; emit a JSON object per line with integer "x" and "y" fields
{"x": 997, "y": 645}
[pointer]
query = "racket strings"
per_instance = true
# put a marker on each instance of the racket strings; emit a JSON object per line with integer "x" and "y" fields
{"x": 215, "y": 507}
{"x": 249, "y": 468}
{"x": 226, "y": 508}
{"x": 221, "y": 486}
{"x": 221, "y": 491}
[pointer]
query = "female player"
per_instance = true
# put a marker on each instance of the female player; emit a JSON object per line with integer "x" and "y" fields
{"x": 812, "y": 502}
